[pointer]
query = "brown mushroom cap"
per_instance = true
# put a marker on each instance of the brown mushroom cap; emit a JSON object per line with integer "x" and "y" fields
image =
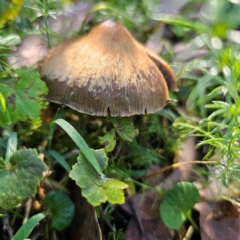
{"x": 107, "y": 72}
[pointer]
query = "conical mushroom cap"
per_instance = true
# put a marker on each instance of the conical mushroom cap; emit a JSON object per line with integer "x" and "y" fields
{"x": 163, "y": 67}
{"x": 105, "y": 72}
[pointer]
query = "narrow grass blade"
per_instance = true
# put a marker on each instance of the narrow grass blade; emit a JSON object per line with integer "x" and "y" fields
{"x": 11, "y": 145}
{"x": 181, "y": 21}
{"x": 53, "y": 126}
{"x": 28, "y": 226}
{"x": 60, "y": 159}
{"x": 77, "y": 138}
{"x": 3, "y": 103}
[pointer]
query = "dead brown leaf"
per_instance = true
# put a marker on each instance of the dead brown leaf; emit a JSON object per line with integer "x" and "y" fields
{"x": 227, "y": 228}
{"x": 145, "y": 223}
{"x": 223, "y": 209}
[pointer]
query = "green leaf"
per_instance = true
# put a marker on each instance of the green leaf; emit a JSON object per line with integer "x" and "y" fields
{"x": 10, "y": 40}
{"x": 11, "y": 145}
{"x": 9, "y": 10}
{"x": 3, "y": 103}
{"x": 62, "y": 209}
{"x": 109, "y": 141}
{"x": 177, "y": 202}
{"x": 23, "y": 97}
{"x": 28, "y": 226}
{"x": 20, "y": 180}
{"x": 3, "y": 143}
{"x": 4, "y": 115}
{"x": 125, "y": 128}
{"x": 60, "y": 159}
{"x": 95, "y": 189}
{"x": 53, "y": 125}
{"x": 181, "y": 21}
{"x": 77, "y": 138}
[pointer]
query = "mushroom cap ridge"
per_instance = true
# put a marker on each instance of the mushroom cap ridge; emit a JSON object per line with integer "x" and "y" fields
{"x": 105, "y": 72}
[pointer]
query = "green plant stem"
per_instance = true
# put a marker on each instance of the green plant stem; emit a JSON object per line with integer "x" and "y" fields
{"x": 6, "y": 65}
{"x": 53, "y": 126}
{"x": 189, "y": 217}
{"x": 45, "y": 15}
{"x": 144, "y": 185}
{"x": 105, "y": 6}
{"x": 15, "y": 213}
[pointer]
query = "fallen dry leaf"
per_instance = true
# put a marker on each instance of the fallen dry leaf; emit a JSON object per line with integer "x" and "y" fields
{"x": 227, "y": 228}
{"x": 223, "y": 209}
{"x": 145, "y": 223}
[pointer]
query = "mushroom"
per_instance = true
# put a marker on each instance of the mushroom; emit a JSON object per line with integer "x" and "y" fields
{"x": 107, "y": 72}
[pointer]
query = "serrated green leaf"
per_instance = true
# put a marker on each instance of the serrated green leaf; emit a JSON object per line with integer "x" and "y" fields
{"x": 77, "y": 138}
{"x": 19, "y": 180}
{"x": 125, "y": 128}
{"x": 28, "y": 226}
{"x": 95, "y": 189}
{"x": 177, "y": 202}
{"x": 23, "y": 98}
{"x": 62, "y": 209}
{"x": 109, "y": 141}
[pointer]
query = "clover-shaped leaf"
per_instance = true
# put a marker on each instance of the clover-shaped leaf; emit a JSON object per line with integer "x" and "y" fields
{"x": 19, "y": 177}
{"x": 62, "y": 209}
{"x": 176, "y": 204}
{"x": 23, "y": 97}
{"x": 96, "y": 189}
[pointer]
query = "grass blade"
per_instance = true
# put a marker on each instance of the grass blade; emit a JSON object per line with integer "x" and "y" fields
{"x": 11, "y": 145}
{"x": 60, "y": 159}
{"x": 181, "y": 21}
{"x": 28, "y": 226}
{"x": 77, "y": 138}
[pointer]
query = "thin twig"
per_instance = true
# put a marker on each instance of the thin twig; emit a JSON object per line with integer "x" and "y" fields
{"x": 27, "y": 210}
{"x": 189, "y": 233}
{"x": 177, "y": 165}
